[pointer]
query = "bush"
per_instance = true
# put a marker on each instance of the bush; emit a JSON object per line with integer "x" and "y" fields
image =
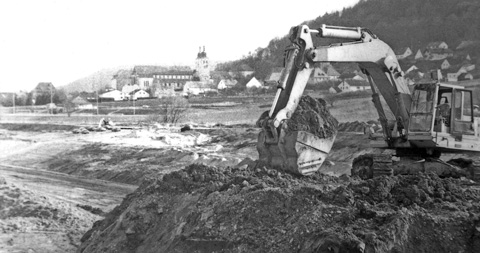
{"x": 172, "y": 109}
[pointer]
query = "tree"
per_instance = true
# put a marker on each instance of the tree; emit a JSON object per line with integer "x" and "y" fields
{"x": 172, "y": 109}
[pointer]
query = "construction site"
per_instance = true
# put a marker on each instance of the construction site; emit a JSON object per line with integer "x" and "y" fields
{"x": 296, "y": 179}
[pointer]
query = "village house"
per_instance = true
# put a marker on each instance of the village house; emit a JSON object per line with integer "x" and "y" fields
{"x": 403, "y": 53}
{"x": 138, "y": 94}
{"x": 334, "y": 90}
{"x": 437, "y": 45}
{"x": 169, "y": 82}
{"x": 226, "y": 84}
{"x": 198, "y": 87}
{"x": 356, "y": 86}
{"x": 142, "y": 75}
{"x": 442, "y": 64}
{"x": 359, "y": 77}
{"x": 437, "y": 54}
{"x": 461, "y": 73}
{"x": 114, "y": 95}
{"x": 244, "y": 71}
{"x": 253, "y": 83}
{"x": 274, "y": 77}
{"x": 418, "y": 55}
{"x": 129, "y": 88}
{"x": 325, "y": 72}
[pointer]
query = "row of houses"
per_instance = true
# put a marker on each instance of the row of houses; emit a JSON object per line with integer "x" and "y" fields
{"x": 454, "y": 65}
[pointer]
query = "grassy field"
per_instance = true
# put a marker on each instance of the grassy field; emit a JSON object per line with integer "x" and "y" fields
{"x": 240, "y": 110}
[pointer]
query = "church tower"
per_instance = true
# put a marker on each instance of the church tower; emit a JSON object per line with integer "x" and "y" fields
{"x": 202, "y": 65}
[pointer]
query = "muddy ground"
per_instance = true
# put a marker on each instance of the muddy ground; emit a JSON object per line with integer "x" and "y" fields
{"x": 64, "y": 182}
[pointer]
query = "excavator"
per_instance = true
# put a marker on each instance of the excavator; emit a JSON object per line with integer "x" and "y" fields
{"x": 433, "y": 118}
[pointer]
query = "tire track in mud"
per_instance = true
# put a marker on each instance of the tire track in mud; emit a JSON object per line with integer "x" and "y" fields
{"x": 73, "y": 189}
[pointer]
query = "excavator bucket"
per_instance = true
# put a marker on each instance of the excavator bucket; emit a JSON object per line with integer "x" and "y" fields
{"x": 297, "y": 152}
{"x": 302, "y": 143}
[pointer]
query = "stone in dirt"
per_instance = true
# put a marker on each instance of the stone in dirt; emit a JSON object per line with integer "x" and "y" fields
{"x": 257, "y": 209}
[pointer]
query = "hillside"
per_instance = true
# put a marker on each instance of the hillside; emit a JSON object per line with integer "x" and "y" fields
{"x": 97, "y": 80}
{"x": 400, "y": 23}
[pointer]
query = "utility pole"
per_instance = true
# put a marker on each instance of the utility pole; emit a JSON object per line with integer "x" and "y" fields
{"x": 97, "y": 99}
{"x": 51, "y": 99}
{"x": 133, "y": 104}
{"x": 13, "y": 100}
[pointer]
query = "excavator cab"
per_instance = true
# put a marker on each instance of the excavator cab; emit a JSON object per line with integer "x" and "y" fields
{"x": 441, "y": 117}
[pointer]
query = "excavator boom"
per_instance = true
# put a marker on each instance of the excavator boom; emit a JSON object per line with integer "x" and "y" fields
{"x": 419, "y": 125}
{"x": 303, "y": 153}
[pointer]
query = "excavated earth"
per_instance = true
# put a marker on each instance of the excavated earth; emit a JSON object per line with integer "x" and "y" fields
{"x": 256, "y": 209}
{"x": 250, "y": 207}
{"x": 313, "y": 116}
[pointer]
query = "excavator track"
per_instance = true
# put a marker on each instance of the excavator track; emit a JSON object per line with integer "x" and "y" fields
{"x": 370, "y": 166}
{"x": 476, "y": 171}
{"x": 374, "y": 165}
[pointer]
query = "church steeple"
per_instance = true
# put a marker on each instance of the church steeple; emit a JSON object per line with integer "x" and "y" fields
{"x": 202, "y": 65}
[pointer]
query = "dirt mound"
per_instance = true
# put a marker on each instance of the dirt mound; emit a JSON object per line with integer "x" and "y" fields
{"x": 25, "y": 213}
{"x": 312, "y": 116}
{"x": 256, "y": 209}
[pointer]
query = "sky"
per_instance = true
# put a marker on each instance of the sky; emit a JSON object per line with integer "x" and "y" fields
{"x": 65, "y": 40}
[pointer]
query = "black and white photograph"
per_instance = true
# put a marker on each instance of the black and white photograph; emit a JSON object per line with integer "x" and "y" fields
{"x": 215, "y": 126}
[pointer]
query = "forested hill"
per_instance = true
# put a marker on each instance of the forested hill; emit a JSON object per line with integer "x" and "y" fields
{"x": 400, "y": 23}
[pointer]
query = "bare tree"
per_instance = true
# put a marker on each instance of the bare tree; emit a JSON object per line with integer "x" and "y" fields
{"x": 173, "y": 109}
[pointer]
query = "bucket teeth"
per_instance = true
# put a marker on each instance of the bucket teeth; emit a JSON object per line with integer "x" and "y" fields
{"x": 297, "y": 152}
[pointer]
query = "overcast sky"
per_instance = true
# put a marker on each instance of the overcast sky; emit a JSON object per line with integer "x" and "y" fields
{"x": 62, "y": 41}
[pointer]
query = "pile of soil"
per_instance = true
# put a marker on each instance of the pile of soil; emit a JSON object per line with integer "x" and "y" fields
{"x": 256, "y": 209}
{"x": 313, "y": 116}
{"x": 26, "y": 213}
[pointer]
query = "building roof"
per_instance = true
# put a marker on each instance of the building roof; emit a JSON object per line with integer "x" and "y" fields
{"x": 330, "y": 70}
{"x": 228, "y": 82}
{"x": 174, "y": 72}
{"x": 274, "y": 77}
{"x": 338, "y": 90}
{"x": 112, "y": 93}
{"x": 253, "y": 83}
{"x": 148, "y": 70}
{"x": 435, "y": 44}
{"x": 347, "y": 75}
{"x": 201, "y": 54}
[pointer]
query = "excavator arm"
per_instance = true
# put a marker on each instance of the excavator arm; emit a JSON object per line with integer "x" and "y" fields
{"x": 303, "y": 153}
